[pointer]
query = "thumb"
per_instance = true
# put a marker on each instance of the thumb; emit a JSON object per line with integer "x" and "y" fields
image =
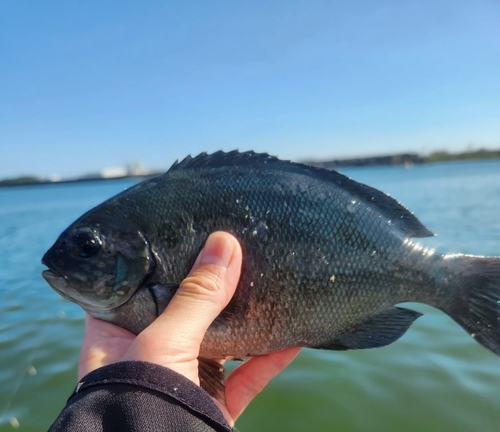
{"x": 173, "y": 339}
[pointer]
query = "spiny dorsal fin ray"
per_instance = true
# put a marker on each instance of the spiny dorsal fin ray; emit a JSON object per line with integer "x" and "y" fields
{"x": 222, "y": 159}
{"x": 399, "y": 215}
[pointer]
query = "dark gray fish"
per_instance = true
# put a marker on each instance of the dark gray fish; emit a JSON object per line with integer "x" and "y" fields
{"x": 326, "y": 259}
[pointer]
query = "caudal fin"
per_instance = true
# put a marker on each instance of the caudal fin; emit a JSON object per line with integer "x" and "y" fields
{"x": 475, "y": 304}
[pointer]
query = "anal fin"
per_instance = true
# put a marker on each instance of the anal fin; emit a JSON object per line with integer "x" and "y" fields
{"x": 378, "y": 331}
{"x": 212, "y": 376}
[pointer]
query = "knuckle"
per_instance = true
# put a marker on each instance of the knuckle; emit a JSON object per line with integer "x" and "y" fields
{"x": 203, "y": 283}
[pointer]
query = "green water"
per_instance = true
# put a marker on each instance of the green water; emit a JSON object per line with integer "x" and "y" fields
{"x": 436, "y": 378}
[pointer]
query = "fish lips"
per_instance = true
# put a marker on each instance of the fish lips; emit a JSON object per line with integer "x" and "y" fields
{"x": 54, "y": 279}
{"x": 58, "y": 283}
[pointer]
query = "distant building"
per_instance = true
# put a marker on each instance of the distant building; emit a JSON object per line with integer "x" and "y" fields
{"x": 113, "y": 172}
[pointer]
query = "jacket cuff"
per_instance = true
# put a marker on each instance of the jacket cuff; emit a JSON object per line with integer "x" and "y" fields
{"x": 157, "y": 378}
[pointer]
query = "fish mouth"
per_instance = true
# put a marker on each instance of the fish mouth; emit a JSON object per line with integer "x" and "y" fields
{"x": 55, "y": 279}
{"x": 51, "y": 273}
{"x": 61, "y": 286}
{"x": 57, "y": 282}
{"x": 84, "y": 296}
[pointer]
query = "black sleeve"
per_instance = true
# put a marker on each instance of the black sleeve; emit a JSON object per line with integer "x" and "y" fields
{"x": 139, "y": 396}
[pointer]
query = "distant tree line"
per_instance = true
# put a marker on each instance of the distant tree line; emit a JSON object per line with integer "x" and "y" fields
{"x": 444, "y": 156}
{"x": 19, "y": 181}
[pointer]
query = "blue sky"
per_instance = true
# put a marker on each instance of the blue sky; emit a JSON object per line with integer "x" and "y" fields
{"x": 89, "y": 85}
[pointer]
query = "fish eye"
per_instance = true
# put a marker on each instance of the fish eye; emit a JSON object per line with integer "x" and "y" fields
{"x": 85, "y": 243}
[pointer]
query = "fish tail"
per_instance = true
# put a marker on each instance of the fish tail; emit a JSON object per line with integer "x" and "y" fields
{"x": 475, "y": 299}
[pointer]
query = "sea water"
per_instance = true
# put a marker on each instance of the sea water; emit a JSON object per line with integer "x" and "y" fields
{"x": 435, "y": 378}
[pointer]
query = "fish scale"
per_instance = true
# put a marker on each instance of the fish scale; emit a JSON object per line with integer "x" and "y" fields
{"x": 326, "y": 259}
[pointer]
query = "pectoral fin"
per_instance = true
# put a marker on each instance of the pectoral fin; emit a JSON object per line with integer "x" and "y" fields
{"x": 212, "y": 376}
{"x": 378, "y": 331}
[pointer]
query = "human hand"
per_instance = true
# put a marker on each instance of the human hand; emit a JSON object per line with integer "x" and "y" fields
{"x": 173, "y": 339}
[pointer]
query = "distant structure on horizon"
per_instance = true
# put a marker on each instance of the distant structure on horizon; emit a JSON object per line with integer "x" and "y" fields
{"x": 408, "y": 160}
{"x": 130, "y": 170}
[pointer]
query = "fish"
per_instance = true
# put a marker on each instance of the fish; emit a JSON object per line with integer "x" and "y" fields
{"x": 326, "y": 260}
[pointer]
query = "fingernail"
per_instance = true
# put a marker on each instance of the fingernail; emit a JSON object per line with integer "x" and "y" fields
{"x": 218, "y": 250}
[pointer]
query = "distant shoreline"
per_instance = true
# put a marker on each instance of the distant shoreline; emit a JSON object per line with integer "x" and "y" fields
{"x": 404, "y": 159}
{"x": 35, "y": 182}
{"x": 408, "y": 159}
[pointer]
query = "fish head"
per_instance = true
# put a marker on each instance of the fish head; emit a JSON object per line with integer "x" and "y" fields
{"x": 96, "y": 266}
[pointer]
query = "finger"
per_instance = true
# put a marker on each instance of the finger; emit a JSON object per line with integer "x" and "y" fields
{"x": 247, "y": 380}
{"x": 174, "y": 339}
{"x": 103, "y": 343}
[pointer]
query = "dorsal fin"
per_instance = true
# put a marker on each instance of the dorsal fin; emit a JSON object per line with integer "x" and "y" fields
{"x": 401, "y": 218}
{"x": 221, "y": 159}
